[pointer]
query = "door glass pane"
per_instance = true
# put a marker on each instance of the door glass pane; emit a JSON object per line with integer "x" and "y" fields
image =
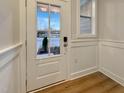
{"x": 85, "y": 16}
{"x": 42, "y": 29}
{"x": 55, "y": 30}
{"x": 55, "y": 43}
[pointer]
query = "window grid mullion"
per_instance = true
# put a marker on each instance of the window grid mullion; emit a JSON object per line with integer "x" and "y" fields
{"x": 49, "y": 31}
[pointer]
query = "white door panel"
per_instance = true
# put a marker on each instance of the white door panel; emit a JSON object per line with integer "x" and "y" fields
{"x": 44, "y": 71}
{"x": 49, "y": 68}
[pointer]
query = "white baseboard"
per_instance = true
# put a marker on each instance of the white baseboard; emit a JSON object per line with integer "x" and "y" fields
{"x": 111, "y": 75}
{"x": 83, "y": 73}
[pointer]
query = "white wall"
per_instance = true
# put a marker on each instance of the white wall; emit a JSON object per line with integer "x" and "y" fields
{"x": 84, "y": 55}
{"x": 111, "y": 28}
{"x": 9, "y": 22}
{"x": 9, "y": 37}
{"x": 9, "y": 76}
{"x": 84, "y": 51}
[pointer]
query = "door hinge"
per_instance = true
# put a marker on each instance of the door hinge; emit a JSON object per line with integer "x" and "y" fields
{"x": 26, "y": 83}
{"x": 25, "y": 42}
{"x": 25, "y": 3}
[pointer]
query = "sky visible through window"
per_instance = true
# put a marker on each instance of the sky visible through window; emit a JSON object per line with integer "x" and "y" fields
{"x": 43, "y": 20}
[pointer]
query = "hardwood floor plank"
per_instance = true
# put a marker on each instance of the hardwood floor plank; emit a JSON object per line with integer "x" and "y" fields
{"x": 101, "y": 87}
{"x": 94, "y": 83}
{"x": 116, "y": 89}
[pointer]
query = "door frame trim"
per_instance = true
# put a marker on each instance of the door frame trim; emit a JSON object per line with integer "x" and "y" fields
{"x": 22, "y": 14}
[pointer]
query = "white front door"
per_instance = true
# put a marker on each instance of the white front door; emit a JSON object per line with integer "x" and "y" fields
{"x": 46, "y": 54}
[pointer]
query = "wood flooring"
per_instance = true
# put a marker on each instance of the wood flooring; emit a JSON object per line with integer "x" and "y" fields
{"x": 94, "y": 83}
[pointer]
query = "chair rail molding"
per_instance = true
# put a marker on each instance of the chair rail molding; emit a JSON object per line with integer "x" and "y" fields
{"x": 7, "y": 54}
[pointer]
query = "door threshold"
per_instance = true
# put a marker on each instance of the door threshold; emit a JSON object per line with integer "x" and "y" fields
{"x": 48, "y": 86}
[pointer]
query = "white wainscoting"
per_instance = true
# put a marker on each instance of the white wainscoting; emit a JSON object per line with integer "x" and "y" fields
{"x": 112, "y": 59}
{"x": 9, "y": 69}
{"x": 84, "y": 58}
